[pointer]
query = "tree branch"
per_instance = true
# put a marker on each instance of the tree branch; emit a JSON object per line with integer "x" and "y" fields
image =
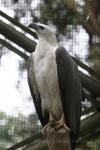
{"x": 92, "y": 21}
{"x": 91, "y": 26}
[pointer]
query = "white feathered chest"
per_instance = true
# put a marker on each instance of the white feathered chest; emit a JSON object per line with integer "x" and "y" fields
{"x": 45, "y": 69}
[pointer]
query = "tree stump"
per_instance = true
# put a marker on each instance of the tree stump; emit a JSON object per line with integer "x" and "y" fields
{"x": 58, "y": 139}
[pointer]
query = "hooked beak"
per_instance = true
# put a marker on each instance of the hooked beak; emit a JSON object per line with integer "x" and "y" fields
{"x": 34, "y": 26}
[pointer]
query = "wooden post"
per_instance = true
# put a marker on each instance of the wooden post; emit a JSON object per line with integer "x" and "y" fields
{"x": 58, "y": 139}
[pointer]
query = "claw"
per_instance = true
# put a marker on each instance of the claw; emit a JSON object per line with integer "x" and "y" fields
{"x": 50, "y": 126}
{"x": 61, "y": 123}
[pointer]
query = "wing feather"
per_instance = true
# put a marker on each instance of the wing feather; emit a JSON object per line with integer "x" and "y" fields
{"x": 70, "y": 90}
{"x": 34, "y": 91}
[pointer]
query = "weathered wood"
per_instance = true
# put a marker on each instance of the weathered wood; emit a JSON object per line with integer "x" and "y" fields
{"x": 58, "y": 139}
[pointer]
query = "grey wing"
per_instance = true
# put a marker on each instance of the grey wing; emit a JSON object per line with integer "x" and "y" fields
{"x": 34, "y": 91}
{"x": 70, "y": 90}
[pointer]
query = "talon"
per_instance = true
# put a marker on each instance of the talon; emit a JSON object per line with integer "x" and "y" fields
{"x": 61, "y": 123}
{"x": 52, "y": 124}
{"x": 45, "y": 129}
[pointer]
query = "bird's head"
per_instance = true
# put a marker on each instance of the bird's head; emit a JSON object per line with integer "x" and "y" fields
{"x": 44, "y": 32}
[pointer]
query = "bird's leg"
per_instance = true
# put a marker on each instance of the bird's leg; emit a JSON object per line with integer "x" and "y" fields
{"x": 51, "y": 121}
{"x": 61, "y": 123}
{"x": 50, "y": 124}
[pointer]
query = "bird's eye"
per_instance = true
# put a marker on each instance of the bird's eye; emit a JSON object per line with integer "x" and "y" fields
{"x": 41, "y": 27}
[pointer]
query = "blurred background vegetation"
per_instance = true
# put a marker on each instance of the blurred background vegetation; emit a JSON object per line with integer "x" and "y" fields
{"x": 77, "y": 25}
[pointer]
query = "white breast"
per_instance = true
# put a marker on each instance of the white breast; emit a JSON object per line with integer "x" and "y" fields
{"x": 47, "y": 79}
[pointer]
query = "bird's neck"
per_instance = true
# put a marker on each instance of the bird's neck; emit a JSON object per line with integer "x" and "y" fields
{"x": 44, "y": 46}
{"x": 49, "y": 40}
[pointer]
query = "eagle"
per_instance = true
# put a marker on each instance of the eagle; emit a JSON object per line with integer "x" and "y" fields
{"x": 54, "y": 83}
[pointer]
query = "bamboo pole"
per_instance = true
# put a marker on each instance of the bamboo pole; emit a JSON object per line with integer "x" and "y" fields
{"x": 18, "y": 24}
{"x": 17, "y": 37}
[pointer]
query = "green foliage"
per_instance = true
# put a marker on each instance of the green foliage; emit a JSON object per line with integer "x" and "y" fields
{"x": 58, "y": 13}
{"x": 2, "y": 115}
{"x": 14, "y": 129}
{"x": 90, "y": 144}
